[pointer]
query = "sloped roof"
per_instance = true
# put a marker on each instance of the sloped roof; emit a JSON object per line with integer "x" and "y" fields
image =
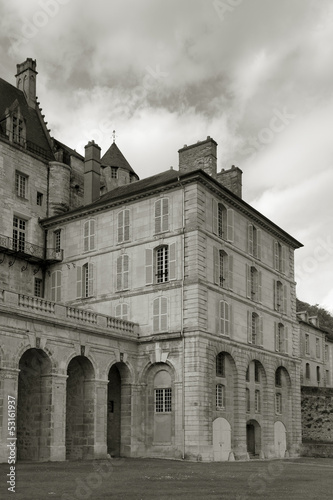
{"x": 115, "y": 158}
{"x": 34, "y": 130}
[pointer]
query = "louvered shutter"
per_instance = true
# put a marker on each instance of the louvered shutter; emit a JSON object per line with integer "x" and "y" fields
{"x": 259, "y": 244}
{"x": 249, "y": 327}
{"x": 158, "y": 216}
{"x": 230, "y": 272}
{"x": 156, "y": 315}
{"x": 275, "y": 284}
{"x": 216, "y": 266}
{"x": 164, "y": 313}
{"x": 231, "y": 320}
{"x": 285, "y": 299}
{"x": 283, "y": 259}
{"x": 120, "y": 226}
{"x": 259, "y": 286}
{"x": 78, "y": 282}
{"x": 118, "y": 311}
{"x": 250, "y": 239}
{"x": 125, "y": 272}
{"x": 276, "y": 337}
{"x": 215, "y": 216}
{"x": 58, "y": 286}
{"x": 226, "y": 319}
{"x": 149, "y": 266}
{"x": 119, "y": 272}
{"x": 261, "y": 331}
{"x": 165, "y": 214}
{"x": 124, "y": 312}
{"x": 86, "y": 236}
{"x": 92, "y": 234}
{"x": 126, "y": 224}
{"x": 172, "y": 261}
{"x": 248, "y": 281}
{"x": 286, "y": 339}
{"x": 230, "y": 225}
{"x": 222, "y": 317}
{"x": 90, "y": 279}
{"x": 53, "y": 287}
{"x": 276, "y": 258}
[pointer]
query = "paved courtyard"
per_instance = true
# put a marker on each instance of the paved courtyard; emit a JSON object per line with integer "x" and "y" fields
{"x": 142, "y": 479}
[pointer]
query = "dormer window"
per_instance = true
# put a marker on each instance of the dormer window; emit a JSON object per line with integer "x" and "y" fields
{"x": 15, "y": 125}
{"x": 18, "y": 129}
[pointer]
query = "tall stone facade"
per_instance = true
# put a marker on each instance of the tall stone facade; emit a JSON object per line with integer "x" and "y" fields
{"x": 163, "y": 322}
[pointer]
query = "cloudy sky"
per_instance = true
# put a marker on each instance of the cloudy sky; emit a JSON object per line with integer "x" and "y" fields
{"x": 256, "y": 75}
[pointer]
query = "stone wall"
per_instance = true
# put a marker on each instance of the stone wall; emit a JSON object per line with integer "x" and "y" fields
{"x": 317, "y": 414}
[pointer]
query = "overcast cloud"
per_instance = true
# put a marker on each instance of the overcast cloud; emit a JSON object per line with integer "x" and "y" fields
{"x": 256, "y": 75}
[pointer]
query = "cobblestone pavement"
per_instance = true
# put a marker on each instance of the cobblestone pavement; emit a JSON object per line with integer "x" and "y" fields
{"x": 155, "y": 479}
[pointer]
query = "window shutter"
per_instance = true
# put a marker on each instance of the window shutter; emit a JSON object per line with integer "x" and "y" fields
{"x": 276, "y": 336}
{"x": 119, "y": 272}
{"x": 92, "y": 235}
{"x": 259, "y": 286}
{"x": 250, "y": 239}
{"x": 230, "y": 271}
{"x": 259, "y": 244}
{"x": 164, "y": 313}
{"x": 275, "y": 283}
{"x": 286, "y": 346}
{"x": 276, "y": 256}
{"x": 216, "y": 266}
{"x": 285, "y": 299}
{"x": 231, "y": 319}
{"x": 58, "y": 286}
{"x": 261, "y": 331}
{"x": 90, "y": 280}
{"x": 215, "y": 216}
{"x": 78, "y": 282}
{"x": 284, "y": 260}
{"x": 217, "y": 317}
{"x": 149, "y": 266}
{"x": 158, "y": 216}
{"x": 226, "y": 319}
{"x": 222, "y": 317}
{"x": 172, "y": 261}
{"x": 53, "y": 287}
{"x": 249, "y": 327}
{"x": 118, "y": 311}
{"x": 126, "y": 224}
{"x": 165, "y": 214}
{"x": 230, "y": 224}
{"x": 248, "y": 281}
{"x": 125, "y": 272}
{"x": 86, "y": 236}
{"x": 120, "y": 226}
{"x": 156, "y": 314}
{"x": 124, "y": 312}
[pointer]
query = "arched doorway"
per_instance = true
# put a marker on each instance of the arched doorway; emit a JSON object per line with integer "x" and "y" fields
{"x": 34, "y": 406}
{"x": 119, "y": 411}
{"x": 221, "y": 439}
{"x": 253, "y": 438}
{"x": 80, "y": 411}
{"x": 280, "y": 439}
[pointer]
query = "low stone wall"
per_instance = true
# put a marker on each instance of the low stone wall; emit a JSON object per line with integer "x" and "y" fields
{"x": 317, "y": 420}
{"x": 317, "y": 450}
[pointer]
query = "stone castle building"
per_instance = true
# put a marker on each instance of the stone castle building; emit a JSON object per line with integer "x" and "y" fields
{"x": 152, "y": 317}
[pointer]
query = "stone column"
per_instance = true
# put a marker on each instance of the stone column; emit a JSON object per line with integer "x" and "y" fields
{"x": 8, "y": 387}
{"x": 100, "y": 444}
{"x": 58, "y": 418}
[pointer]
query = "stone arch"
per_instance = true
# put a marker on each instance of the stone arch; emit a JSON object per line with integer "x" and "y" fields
{"x": 142, "y": 378}
{"x": 221, "y": 439}
{"x": 34, "y": 404}
{"x": 89, "y": 356}
{"x": 283, "y": 407}
{"x": 80, "y": 408}
{"x": 280, "y": 439}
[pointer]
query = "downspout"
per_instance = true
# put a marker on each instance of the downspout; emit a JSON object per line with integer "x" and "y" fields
{"x": 182, "y": 316}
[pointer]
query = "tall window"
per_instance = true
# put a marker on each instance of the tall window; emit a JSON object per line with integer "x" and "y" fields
{"x": 307, "y": 371}
{"x": 256, "y": 371}
{"x": 18, "y": 129}
{"x": 278, "y": 378}
{"x": 123, "y": 225}
{"x": 38, "y": 287}
{"x": 161, "y": 215}
{"x": 257, "y": 401}
{"x": 122, "y": 272}
{"x": 85, "y": 280}
{"x": 89, "y": 235}
{"x": 220, "y": 365}
{"x": 57, "y": 240}
{"x": 19, "y": 228}
{"x": 281, "y": 337}
{"x": 56, "y": 286}
{"x": 278, "y": 403}
{"x": 326, "y": 353}
{"x": 280, "y": 297}
{"x": 39, "y": 199}
{"x": 160, "y": 314}
{"x": 223, "y": 268}
{"x": 318, "y": 374}
{"x": 21, "y": 183}
{"x": 307, "y": 343}
{"x": 163, "y": 400}
{"x": 223, "y": 221}
{"x": 280, "y": 260}
{"x": 220, "y": 396}
{"x": 161, "y": 264}
{"x": 254, "y": 328}
{"x": 247, "y": 399}
{"x": 254, "y": 241}
{"x": 253, "y": 283}
{"x": 317, "y": 347}
{"x": 122, "y": 311}
{"x": 224, "y": 318}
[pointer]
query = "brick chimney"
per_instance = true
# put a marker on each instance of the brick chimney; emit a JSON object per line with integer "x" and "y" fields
{"x": 231, "y": 179}
{"x": 92, "y": 172}
{"x": 200, "y": 155}
{"x": 26, "y": 80}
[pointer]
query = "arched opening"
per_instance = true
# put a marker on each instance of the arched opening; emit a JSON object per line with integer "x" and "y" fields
{"x": 119, "y": 411}
{"x": 221, "y": 439}
{"x": 34, "y": 406}
{"x": 80, "y": 412}
{"x": 283, "y": 410}
{"x": 280, "y": 439}
{"x": 253, "y": 438}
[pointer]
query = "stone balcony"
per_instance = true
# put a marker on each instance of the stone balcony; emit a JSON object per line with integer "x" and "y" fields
{"x": 35, "y": 307}
{"x": 28, "y": 251}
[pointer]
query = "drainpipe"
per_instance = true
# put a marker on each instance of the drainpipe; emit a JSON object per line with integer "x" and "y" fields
{"x": 182, "y": 316}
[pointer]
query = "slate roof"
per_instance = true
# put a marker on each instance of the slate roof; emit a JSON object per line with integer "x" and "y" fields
{"x": 115, "y": 158}
{"x": 34, "y": 130}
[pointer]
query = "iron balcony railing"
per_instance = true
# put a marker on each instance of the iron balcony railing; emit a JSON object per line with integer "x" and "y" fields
{"x": 27, "y": 250}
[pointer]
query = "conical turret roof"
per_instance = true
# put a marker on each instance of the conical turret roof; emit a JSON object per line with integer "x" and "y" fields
{"x": 115, "y": 158}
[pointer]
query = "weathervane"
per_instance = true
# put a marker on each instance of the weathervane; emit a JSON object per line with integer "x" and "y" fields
{"x": 114, "y": 136}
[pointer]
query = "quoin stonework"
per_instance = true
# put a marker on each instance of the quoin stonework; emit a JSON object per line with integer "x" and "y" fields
{"x": 152, "y": 317}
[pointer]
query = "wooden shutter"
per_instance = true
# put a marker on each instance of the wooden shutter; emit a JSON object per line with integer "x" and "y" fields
{"x": 125, "y": 271}
{"x": 156, "y": 315}
{"x": 222, "y": 317}
{"x": 86, "y": 236}
{"x": 259, "y": 244}
{"x": 158, "y": 216}
{"x": 92, "y": 234}
{"x": 118, "y": 311}
{"x": 276, "y": 258}
{"x": 165, "y": 214}
{"x": 215, "y": 216}
{"x": 53, "y": 286}
{"x": 172, "y": 261}
{"x": 230, "y": 272}
{"x": 230, "y": 224}
{"x": 58, "y": 286}
{"x": 276, "y": 337}
{"x": 164, "y": 313}
{"x": 283, "y": 259}
{"x": 275, "y": 291}
{"x": 216, "y": 265}
{"x": 120, "y": 226}
{"x": 249, "y": 327}
{"x": 248, "y": 281}
{"x": 78, "y": 282}
{"x": 124, "y": 312}
{"x": 260, "y": 331}
{"x": 231, "y": 319}
{"x": 90, "y": 271}
{"x": 286, "y": 339}
{"x": 250, "y": 239}
{"x": 259, "y": 286}
{"x": 119, "y": 272}
{"x": 126, "y": 225}
{"x": 149, "y": 266}
{"x": 226, "y": 319}
{"x": 285, "y": 299}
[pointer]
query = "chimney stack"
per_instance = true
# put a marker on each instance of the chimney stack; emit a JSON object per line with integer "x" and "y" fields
{"x": 200, "y": 155}
{"x": 92, "y": 172}
{"x": 26, "y": 80}
{"x": 231, "y": 179}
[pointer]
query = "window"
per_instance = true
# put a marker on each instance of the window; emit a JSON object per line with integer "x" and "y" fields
{"x": 38, "y": 287}
{"x": 39, "y": 199}
{"x": 280, "y": 297}
{"x": 21, "y": 184}
{"x": 19, "y": 228}
{"x": 223, "y": 269}
{"x": 326, "y": 353}
{"x": 223, "y": 221}
{"x": 278, "y": 380}
{"x": 161, "y": 215}
{"x": 220, "y": 365}
{"x": 85, "y": 280}
{"x": 327, "y": 377}
{"x": 317, "y": 347}
{"x": 160, "y": 314}
{"x": 254, "y": 241}
{"x": 280, "y": 252}
{"x": 163, "y": 400}
{"x": 256, "y": 371}
{"x": 253, "y": 283}
{"x": 18, "y": 129}
{"x": 122, "y": 272}
{"x": 114, "y": 172}
{"x": 247, "y": 400}
{"x": 89, "y": 235}
{"x": 318, "y": 374}
{"x": 307, "y": 371}
{"x": 121, "y": 311}
{"x": 161, "y": 264}
{"x": 123, "y": 225}
{"x": 278, "y": 403}
{"x": 220, "y": 396}
{"x": 307, "y": 343}
{"x": 57, "y": 240}
{"x": 56, "y": 286}
{"x": 247, "y": 375}
{"x": 254, "y": 328}
{"x": 281, "y": 338}
{"x": 224, "y": 318}
{"x": 257, "y": 401}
